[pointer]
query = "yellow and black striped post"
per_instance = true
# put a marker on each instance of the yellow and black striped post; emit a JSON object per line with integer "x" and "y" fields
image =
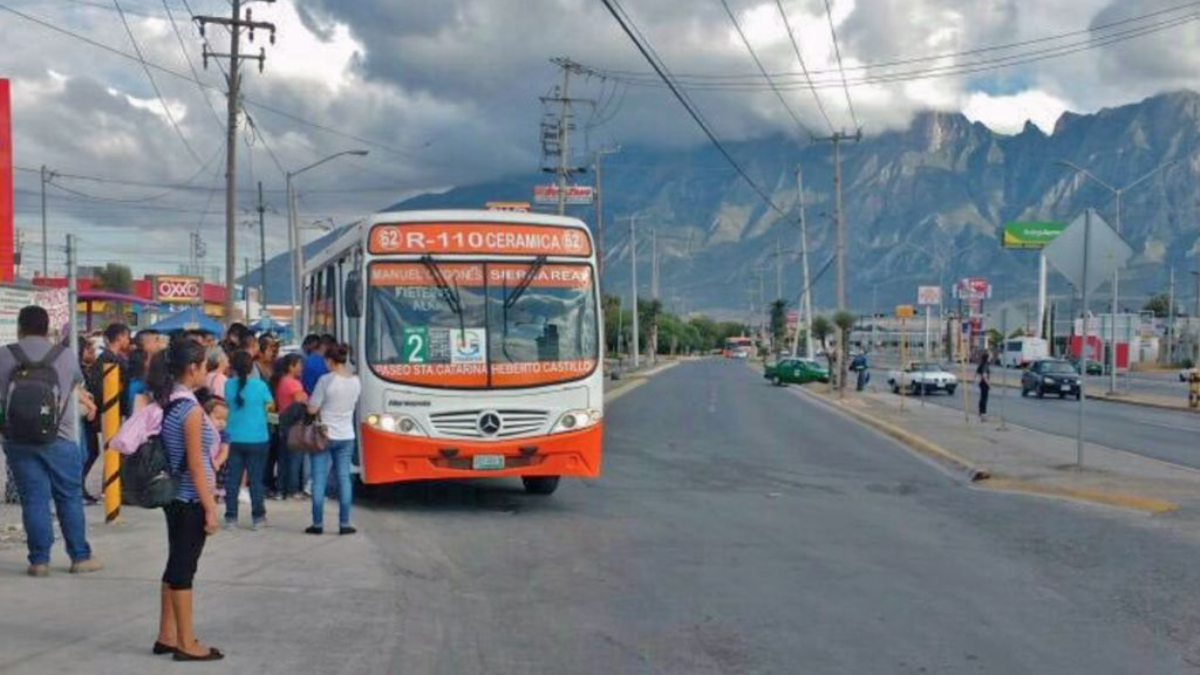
{"x": 110, "y": 421}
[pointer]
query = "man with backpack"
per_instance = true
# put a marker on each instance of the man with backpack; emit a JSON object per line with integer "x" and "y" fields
{"x": 38, "y": 380}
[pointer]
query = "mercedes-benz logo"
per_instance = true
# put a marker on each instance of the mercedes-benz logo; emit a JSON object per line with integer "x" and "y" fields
{"x": 489, "y": 423}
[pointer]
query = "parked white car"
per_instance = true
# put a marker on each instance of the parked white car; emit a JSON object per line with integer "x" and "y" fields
{"x": 920, "y": 378}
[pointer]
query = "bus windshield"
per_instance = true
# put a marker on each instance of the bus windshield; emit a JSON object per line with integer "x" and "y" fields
{"x": 479, "y": 325}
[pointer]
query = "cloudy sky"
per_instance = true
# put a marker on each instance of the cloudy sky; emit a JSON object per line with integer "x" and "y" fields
{"x": 444, "y": 93}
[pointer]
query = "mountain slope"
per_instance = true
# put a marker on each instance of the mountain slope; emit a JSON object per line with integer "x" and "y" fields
{"x": 921, "y": 203}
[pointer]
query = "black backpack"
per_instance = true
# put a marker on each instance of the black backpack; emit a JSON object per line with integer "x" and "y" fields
{"x": 32, "y": 409}
{"x": 152, "y": 481}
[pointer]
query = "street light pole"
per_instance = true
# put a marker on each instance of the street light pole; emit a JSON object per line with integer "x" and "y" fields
{"x": 1116, "y": 279}
{"x": 296, "y": 243}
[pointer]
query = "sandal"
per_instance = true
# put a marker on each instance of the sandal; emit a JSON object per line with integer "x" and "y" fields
{"x": 213, "y": 654}
{"x": 160, "y": 648}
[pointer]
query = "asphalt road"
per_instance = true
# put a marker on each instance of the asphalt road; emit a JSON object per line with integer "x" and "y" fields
{"x": 740, "y": 528}
{"x": 1161, "y": 434}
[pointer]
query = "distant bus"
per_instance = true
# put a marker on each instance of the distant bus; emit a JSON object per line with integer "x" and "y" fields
{"x": 738, "y": 347}
{"x": 1019, "y": 352}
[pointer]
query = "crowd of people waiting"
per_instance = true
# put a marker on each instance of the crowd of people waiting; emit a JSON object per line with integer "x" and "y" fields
{"x": 225, "y": 408}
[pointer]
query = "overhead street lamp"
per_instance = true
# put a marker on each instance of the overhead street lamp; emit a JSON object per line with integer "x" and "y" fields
{"x": 296, "y": 243}
{"x": 1116, "y": 192}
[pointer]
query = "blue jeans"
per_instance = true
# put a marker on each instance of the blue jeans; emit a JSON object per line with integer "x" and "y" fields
{"x": 290, "y": 466}
{"x": 252, "y": 458}
{"x": 339, "y": 453}
{"x": 45, "y": 472}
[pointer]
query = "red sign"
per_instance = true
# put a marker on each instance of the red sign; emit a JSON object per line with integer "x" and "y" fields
{"x": 576, "y": 194}
{"x": 6, "y": 186}
{"x": 469, "y": 275}
{"x": 178, "y": 290}
{"x": 495, "y": 238}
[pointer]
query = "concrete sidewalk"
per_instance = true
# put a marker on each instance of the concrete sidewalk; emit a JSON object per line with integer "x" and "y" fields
{"x": 1025, "y": 460}
{"x": 275, "y": 601}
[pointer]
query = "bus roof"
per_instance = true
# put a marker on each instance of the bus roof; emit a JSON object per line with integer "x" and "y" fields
{"x": 472, "y": 216}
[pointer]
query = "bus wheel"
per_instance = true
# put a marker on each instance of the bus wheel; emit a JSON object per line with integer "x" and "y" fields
{"x": 362, "y": 490}
{"x": 540, "y": 485}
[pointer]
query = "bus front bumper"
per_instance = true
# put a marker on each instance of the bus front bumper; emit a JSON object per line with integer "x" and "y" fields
{"x": 392, "y": 458}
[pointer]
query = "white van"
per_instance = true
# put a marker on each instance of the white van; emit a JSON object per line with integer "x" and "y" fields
{"x": 1019, "y": 352}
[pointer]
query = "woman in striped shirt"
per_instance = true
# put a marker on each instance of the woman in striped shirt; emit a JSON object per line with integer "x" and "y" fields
{"x": 188, "y": 437}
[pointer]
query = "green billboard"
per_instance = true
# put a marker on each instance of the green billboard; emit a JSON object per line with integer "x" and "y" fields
{"x": 1025, "y": 234}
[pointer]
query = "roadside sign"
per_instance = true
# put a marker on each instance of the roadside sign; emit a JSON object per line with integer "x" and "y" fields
{"x": 1030, "y": 235}
{"x": 929, "y": 295}
{"x": 576, "y": 194}
{"x": 1106, "y": 252}
{"x": 973, "y": 288}
{"x": 178, "y": 289}
{"x": 905, "y": 312}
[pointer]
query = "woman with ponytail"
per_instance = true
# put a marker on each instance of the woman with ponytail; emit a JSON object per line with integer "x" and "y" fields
{"x": 249, "y": 402}
{"x": 188, "y": 438}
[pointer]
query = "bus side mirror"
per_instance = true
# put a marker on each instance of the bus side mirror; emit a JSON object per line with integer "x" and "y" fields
{"x": 353, "y": 294}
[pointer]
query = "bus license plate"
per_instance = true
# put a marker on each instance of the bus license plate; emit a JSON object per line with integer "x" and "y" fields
{"x": 487, "y": 462}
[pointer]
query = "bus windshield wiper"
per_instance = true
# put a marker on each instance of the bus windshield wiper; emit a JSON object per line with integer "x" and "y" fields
{"x": 450, "y": 295}
{"x": 530, "y": 275}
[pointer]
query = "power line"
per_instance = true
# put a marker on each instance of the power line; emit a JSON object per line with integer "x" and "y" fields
{"x": 154, "y": 85}
{"x": 192, "y": 67}
{"x": 803, "y": 67}
{"x": 837, "y": 51}
{"x": 245, "y": 99}
{"x": 779, "y": 95}
{"x": 878, "y": 65}
{"x": 630, "y": 29}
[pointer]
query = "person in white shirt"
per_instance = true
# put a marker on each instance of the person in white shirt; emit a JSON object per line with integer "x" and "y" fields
{"x": 334, "y": 399}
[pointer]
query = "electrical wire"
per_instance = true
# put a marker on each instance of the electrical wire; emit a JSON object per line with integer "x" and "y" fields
{"x": 192, "y": 67}
{"x": 837, "y": 51}
{"x": 878, "y": 65}
{"x": 803, "y": 67}
{"x": 647, "y": 50}
{"x": 154, "y": 84}
{"x": 245, "y": 99}
{"x": 804, "y": 130}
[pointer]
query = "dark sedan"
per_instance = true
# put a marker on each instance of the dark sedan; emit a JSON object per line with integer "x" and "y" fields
{"x": 1050, "y": 376}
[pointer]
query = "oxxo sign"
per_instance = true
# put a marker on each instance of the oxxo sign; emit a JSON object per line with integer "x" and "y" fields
{"x": 178, "y": 290}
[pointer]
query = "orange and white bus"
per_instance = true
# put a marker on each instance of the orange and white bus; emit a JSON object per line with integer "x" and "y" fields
{"x": 738, "y": 347}
{"x": 476, "y": 335}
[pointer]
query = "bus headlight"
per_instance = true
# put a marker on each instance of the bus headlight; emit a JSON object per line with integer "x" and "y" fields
{"x": 573, "y": 420}
{"x": 396, "y": 424}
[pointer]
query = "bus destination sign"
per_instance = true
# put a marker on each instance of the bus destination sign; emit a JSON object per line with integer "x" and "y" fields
{"x": 479, "y": 238}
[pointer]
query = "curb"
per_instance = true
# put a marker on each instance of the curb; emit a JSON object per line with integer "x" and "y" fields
{"x": 1128, "y": 401}
{"x": 635, "y": 380}
{"x": 914, "y": 442}
{"x": 1117, "y": 499}
{"x": 983, "y": 479}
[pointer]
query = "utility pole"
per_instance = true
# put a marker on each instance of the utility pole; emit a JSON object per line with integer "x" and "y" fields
{"x": 654, "y": 294}
{"x": 235, "y": 24}
{"x": 1196, "y": 320}
{"x": 806, "y": 292}
{"x": 72, "y": 323}
{"x": 246, "y": 287}
{"x": 262, "y": 250}
{"x": 556, "y": 135}
{"x": 778, "y": 270}
{"x": 633, "y": 262}
{"x": 47, "y": 176}
{"x": 1171, "y": 319}
{"x": 839, "y": 220}
{"x": 840, "y": 240}
{"x": 597, "y": 155}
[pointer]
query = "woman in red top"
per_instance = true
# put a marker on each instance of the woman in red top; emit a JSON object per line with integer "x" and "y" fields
{"x": 288, "y": 391}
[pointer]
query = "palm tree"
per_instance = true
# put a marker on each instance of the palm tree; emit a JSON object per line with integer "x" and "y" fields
{"x": 845, "y": 322}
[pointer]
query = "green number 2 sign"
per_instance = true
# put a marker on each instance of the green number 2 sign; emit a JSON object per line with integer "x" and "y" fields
{"x": 416, "y": 346}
